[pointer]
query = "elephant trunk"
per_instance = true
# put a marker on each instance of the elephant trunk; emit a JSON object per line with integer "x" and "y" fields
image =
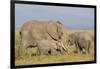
{"x": 63, "y": 46}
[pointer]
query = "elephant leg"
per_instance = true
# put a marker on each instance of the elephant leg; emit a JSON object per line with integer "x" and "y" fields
{"x": 88, "y": 47}
{"x": 53, "y": 51}
{"x": 23, "y": 51}
{"x": 76, "y": 49}
{"x": 38, "y": 51}
{"x": 81, "y": 49}
{"x": 41, "y": 51}
{"x": 26, "y": 51}
{"x": 77, "y": 46}
{"x": 20, "y": 52}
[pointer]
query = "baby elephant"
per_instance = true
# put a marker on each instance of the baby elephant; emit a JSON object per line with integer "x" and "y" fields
{"x": 81, "y": 40}
{"x": 46, "y": 47}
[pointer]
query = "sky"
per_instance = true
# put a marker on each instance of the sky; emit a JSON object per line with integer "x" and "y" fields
{"x": 71, "y": 17}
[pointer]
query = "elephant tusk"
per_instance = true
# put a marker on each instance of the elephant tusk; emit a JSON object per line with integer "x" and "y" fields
{"x": 63, "y": 46}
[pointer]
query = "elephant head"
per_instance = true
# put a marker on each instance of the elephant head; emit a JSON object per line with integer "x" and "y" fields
{"x": 55, "y": 31}
{"x": 71, "y": 39}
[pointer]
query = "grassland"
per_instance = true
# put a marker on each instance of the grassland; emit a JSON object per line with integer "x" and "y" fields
{"x": 70, "y": 56}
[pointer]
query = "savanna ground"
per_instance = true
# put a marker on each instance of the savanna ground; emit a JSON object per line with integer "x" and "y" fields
{"x": 70, "y": 56}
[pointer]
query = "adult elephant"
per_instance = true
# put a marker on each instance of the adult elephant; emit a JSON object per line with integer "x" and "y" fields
{"x": 81, "y": 40}
{"x": 32, "y": 32}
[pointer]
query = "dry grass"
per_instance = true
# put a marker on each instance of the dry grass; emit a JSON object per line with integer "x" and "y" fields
{"x": 59, "y": 58}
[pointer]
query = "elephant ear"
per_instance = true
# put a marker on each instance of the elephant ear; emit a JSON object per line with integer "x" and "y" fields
{"x": 54, "y": 29}
{"x": 51, "y": 29}
{"x": 59, "y": 29}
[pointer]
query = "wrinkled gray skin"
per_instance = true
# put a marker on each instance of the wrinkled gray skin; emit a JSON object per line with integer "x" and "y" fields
{"x": 81, "y": 40}
{"x": 32, "y": 32}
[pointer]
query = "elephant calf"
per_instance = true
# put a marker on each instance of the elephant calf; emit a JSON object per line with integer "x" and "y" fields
{"x": 46, "y": 47}
{"x": 81, "y": 40}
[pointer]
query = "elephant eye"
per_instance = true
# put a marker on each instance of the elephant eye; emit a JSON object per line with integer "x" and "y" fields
{"x": 59, "y": 37}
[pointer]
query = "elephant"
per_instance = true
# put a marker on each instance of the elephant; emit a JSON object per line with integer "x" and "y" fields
{"x": 81, "y": 40}
{"x": 33, "y": 31}
{"x": 46, "y": 47}
{"x": 49, "y": 47}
